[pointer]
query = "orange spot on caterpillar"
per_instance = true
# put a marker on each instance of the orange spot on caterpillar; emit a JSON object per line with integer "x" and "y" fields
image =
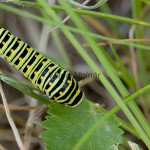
{"x": 3, "y": 42}
{"x": 35, "y": 72}
{"x": 12, "y": 50}
{"x": 69, "y": 81}
{"x": 50, "y": 83}
{"x": 60, "y": 92}
{"x": 46, "y": 91}
{"x": 28, "y": 66}
{"x": 6, "y": 57}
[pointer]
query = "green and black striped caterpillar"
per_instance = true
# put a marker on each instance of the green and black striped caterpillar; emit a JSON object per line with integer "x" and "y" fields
{"x": 50, "y": 78}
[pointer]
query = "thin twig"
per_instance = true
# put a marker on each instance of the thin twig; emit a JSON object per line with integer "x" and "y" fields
{"x": 30, "y": 124}
{"x": 135, "y": 71}
{"x": 11, "y": 122}
{"x": 20, "y": 108}
{"x": 123, "y": 40}
{"x": 2, "y": 148}
{"x": 68, "y": 17}
{"x": 97, "y": 5}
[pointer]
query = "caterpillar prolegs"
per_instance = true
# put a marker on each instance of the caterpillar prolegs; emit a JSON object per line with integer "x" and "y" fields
{"x": 56, "y": 82}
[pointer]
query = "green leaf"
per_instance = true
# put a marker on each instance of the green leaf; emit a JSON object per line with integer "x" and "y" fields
{"x": 65, "y": 127}
{"x": 23, "y": 88}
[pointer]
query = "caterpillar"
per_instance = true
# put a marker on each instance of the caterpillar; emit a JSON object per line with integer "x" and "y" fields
{"x": 56, "y": 82}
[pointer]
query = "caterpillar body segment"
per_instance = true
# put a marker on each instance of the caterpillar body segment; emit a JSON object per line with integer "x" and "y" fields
{"x": 50, "y": 78}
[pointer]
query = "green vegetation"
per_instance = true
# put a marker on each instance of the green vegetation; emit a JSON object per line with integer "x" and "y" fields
{"x": 89, "y": 126}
